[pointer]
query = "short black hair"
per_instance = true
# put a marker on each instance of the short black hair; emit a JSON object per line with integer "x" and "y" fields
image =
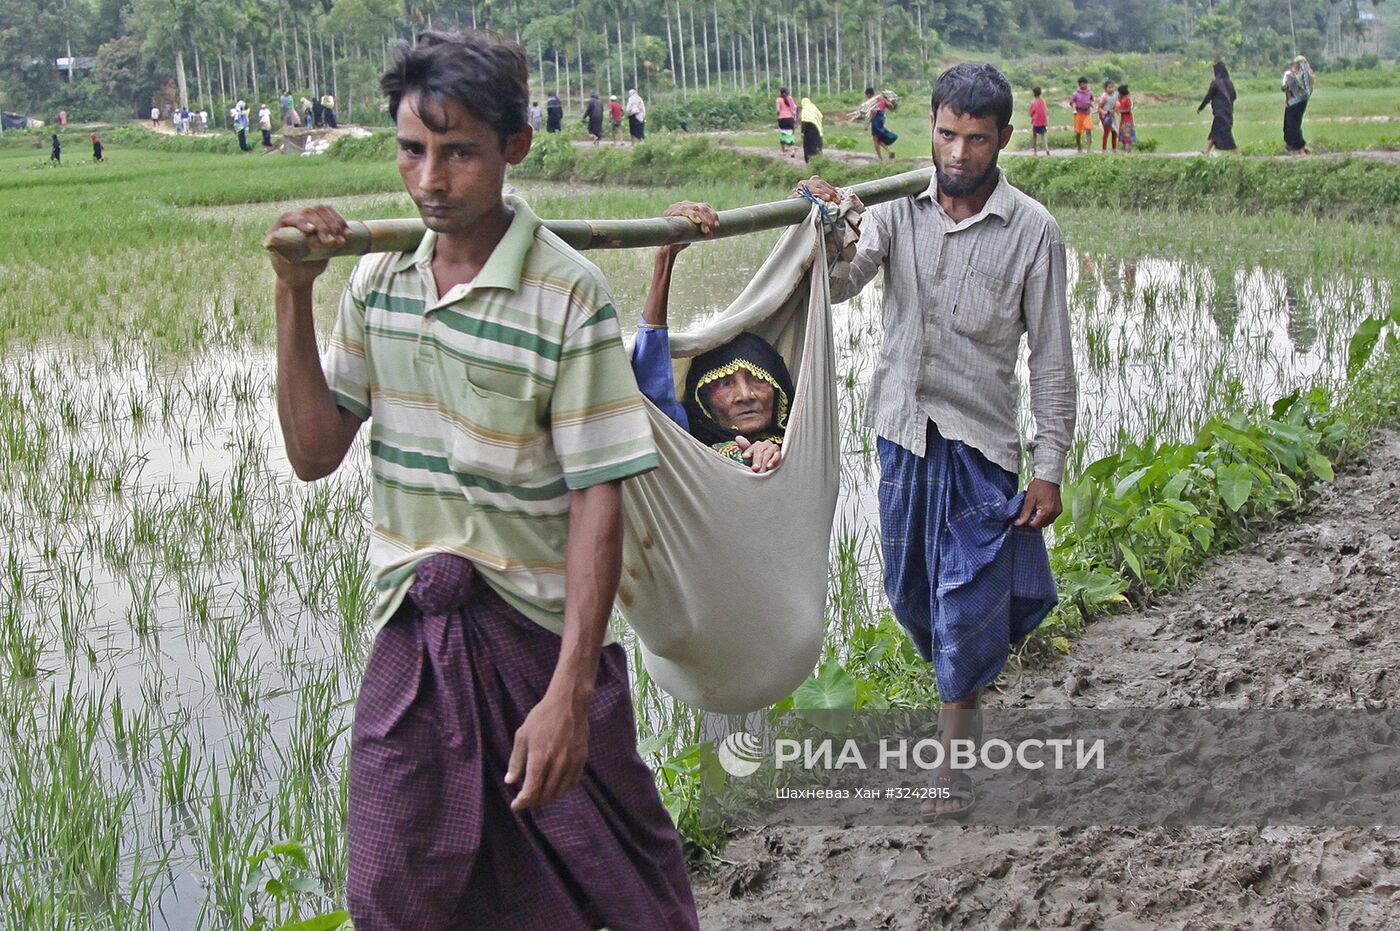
{"x": 1082, "y": 81}
{"x": 1036, "y": 90}
{"x": 483, "y": 72}
{"x": 974, "y": 90}
{"x": 1106, "y": 83}
{"x": 869, "y": 90}
{"x": 1122, "y": 90}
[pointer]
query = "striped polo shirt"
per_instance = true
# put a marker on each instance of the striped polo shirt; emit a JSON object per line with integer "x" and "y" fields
{"x": 487, "y": 406}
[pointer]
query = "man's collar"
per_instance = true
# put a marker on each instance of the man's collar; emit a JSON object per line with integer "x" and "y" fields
{"x": 1001, "y": 203}
{"x": 507, "y": 260}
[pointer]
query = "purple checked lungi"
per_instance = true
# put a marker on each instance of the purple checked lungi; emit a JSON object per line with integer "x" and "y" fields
{"x": 432, "y": 841}
{"x": 962, "y": 581}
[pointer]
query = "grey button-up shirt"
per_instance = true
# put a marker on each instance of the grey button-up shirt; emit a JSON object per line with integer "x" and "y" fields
{"x": 958, "y": 296}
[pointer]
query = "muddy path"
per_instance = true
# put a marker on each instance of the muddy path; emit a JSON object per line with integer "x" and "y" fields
{"x": 1306, "y": 617}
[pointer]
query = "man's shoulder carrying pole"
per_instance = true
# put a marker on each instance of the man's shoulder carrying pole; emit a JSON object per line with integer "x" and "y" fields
{"x": 405, "y": 235}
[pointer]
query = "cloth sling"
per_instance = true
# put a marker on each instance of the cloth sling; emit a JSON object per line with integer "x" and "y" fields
{"x": 725, "y": 571}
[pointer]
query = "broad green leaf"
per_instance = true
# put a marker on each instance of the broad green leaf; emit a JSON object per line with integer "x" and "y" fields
{"x": 1284, "y": 404}
{"x": 1100, "y": 469}
{"x": 1176, "y": 484}
{"x": 1321, "y": 467}
{"x": 1081, "y": 506}
{"x": 1097, "y": 587}
{"x": 1362, "y": 342}
{"x": 830, "y": 687}
{"x": 1234, "y": 483}
{"x": 827, "y": 698}
{"x": 1203, "y": 536}
{"x": 656, "y": 742}
{"x": 1130, "y": 559}
{"x": 1129, "y": 482}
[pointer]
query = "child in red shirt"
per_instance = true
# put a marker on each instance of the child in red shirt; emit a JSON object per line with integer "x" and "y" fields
{"x": 1040, "y": 122}
{"x": 615, "y": 117}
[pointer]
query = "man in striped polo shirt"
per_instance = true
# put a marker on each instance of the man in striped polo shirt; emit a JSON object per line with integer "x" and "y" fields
{"x": 494, "y": 777}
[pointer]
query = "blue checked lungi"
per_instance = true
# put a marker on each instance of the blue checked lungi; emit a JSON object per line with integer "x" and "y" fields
{"x": 962, "y": 581}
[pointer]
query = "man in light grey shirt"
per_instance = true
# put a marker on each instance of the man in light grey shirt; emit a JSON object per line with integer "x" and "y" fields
{"x": 969, "y": 266}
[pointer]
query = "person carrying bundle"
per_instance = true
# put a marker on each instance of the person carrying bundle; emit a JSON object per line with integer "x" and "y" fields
{"x": 969, "y": 266}
{"x": 883, "y": 137}
{"x": 494, "y": 778}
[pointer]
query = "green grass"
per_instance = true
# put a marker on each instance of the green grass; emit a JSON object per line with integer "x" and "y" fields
{"x": 183, "y": 625}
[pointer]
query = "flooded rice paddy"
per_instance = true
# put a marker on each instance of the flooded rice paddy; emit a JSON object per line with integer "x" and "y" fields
{"x": 183, "y": 624}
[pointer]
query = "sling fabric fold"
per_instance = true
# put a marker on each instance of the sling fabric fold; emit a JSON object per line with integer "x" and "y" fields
{"x": 724, "y": 570}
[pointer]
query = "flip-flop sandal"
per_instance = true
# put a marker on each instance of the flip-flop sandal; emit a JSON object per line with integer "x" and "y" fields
{"x": 959, "y": 786}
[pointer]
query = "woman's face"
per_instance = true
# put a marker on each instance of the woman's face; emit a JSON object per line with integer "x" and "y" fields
{"x": 741, "y": 402}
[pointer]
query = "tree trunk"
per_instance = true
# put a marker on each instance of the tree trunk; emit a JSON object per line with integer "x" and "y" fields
{"x": 636, "y": 80}
{"x": 719, "y": 44}
{"x": 282, "y": 36}
{"x": 671, "y": 50}
{"x": 705, "y": 40}
{"x": 767, "y": 63}
{"x": 198, "y": 76}
{"x": 296, "y": 46}
{"x": 838, "y": 49}
{"x": 621, "y": 69}
{"x": 223, "y": 91}
{"x": 680, "y": 47}
{"x": 253, "y": 71}
{"x": 180, "y": 80}
{"x": 880, "y": 35}
{"x": 807, "y": 54}
{"x": 335, "y": 85}
{"x": 753, "y": 51}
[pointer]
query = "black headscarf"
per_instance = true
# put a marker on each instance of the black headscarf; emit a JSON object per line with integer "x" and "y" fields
{"x": 747, "y": 351}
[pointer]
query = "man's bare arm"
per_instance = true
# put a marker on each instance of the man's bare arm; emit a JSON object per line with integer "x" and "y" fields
{"x": 317, "y": 433}
{"x": 551, "y": 746}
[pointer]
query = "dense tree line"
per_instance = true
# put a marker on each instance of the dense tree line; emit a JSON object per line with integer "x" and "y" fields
{"x": 109, "y": 56}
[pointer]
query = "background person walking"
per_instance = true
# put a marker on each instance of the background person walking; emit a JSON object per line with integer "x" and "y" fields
{"x": 553, "y": 112}
{"x": 1082, "y": 101}
{"x": 1106, "y": 108}
{"x": 265, "y": 125}
{"x": 1040, "y": 122}
{"x": 1221, "y": 97}
{"x": 328, "y": 109}
{"x": 593, "y": 116}
{"x": 811, "y": 116}
{"x": 787, "y": 121}
{"x": 882, "y": 135}
{"x": 1297, "y": 88}
{"x": 636, "y": 116}
{"x": 1127, "y": 126}
{"x": 614, "y": 118}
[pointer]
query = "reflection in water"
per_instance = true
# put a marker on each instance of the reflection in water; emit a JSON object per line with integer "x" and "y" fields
{"x": 1302, "y": 322}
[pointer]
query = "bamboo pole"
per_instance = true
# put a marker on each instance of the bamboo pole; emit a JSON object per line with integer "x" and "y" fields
{"x": 406, "y": 234}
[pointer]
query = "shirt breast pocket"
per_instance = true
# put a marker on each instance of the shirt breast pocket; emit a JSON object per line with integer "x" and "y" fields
{"x": 988, "y": 308}
{"x": 493, "y": 435}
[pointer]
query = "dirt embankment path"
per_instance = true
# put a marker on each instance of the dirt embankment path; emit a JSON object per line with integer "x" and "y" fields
{"x": 1306, "y": 617}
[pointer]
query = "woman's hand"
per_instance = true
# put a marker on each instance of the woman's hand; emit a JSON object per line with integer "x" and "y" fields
{"x": 763, "y": 456}
{"x": 702, "y": 215}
